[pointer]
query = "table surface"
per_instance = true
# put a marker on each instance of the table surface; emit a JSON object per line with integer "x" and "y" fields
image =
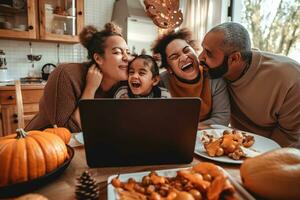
{"x": 64, "y": 186}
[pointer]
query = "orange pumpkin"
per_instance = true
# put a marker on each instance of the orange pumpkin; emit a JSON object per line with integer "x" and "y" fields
{"x": 26, "y": 156}
{"x": 63, "y": 133}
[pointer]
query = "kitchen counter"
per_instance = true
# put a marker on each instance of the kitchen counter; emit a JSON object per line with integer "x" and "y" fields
{"x": 31, "y": 95}
{"x": 24, "y": 86}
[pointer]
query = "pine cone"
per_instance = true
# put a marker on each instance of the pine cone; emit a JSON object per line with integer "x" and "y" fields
{"x": 87, "y": 188}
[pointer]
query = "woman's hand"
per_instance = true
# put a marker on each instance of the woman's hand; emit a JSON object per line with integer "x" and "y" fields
{"x": 93, "y": 81}
{"x": 93, "y": 78}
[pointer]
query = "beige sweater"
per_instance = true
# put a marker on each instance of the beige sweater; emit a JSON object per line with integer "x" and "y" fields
{"x": 266, "y": 100}
{"x": 61, "y": 96}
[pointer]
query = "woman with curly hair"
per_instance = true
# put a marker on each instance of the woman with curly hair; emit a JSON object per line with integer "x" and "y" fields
{"x": 185, "y": 77}
{"x": 109, "y": 56}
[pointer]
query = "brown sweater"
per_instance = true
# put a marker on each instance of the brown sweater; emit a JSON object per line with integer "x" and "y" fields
{"x": 200, "y": 89}
{"x": 61, "y": 96}
{"x": 266, "y": 100}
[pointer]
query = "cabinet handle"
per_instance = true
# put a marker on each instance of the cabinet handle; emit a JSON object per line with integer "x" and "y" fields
{"x": 10, "y": 97}
{"x": 30, "y": 27}
{"x": 80, "y": 13}
{"x": 15, "y": 121}
{"x": 15, "y": 115}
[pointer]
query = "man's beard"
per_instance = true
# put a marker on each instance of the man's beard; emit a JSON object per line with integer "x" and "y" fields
{"x": 219, "y": 71}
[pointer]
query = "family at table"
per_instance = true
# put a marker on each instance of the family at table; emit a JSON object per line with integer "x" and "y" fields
{"x": 249, "y": 89}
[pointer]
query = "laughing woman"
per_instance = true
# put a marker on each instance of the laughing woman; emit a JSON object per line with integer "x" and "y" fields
{"x": 109, "y": 57}
{"x": 184, "y": 77}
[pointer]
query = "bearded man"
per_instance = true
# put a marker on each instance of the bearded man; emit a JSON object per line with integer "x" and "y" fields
{"x": 264, "y": 88}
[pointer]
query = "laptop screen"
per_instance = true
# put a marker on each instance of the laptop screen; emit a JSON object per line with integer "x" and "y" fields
{"x": 124, "y": 132}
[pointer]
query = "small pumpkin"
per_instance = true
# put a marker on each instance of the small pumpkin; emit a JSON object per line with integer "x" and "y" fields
{"x": 62, "y": 132}
{"x": 28, "y": 155}
{"x": 273, "y": 175}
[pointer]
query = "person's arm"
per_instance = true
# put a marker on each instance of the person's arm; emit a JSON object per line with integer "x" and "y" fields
{"x": 60, "y": 99}
{"x": 93, "y": 81}
{"x": 220, "y": 113}
{"x": 287, "y": 132}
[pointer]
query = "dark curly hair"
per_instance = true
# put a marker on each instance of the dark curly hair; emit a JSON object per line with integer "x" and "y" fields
{"x": 151, "y": 61}
{"x": 94, "y": 40}
{"x": 160, "y": 44}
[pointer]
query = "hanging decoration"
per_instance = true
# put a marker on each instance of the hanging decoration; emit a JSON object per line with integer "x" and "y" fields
{"x": 164, "y": 13}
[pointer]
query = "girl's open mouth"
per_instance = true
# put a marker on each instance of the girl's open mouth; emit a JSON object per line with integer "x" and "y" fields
{"x": 135, "y": 84}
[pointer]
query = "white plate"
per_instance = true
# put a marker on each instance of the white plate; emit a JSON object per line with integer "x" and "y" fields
{"x": 112, "y": 194}
{"x": 261, "y": 145}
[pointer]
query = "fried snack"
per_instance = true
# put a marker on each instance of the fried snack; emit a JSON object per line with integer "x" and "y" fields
{"x": 229, "y": 144}
{"x": 203, "y": 181}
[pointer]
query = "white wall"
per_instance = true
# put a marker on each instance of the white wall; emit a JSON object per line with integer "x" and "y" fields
{"x": 97, "y": 13}
{"x": 141, "y": 35}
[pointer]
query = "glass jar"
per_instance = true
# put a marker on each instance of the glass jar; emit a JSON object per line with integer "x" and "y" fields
{"x": 58, "y": 27}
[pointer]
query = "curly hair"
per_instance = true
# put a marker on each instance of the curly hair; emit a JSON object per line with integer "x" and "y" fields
{"x": 151, "y": 61}
{"x": 94, "y": 40}
{"x": 160, "y": 44}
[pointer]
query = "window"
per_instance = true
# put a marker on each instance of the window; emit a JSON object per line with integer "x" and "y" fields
{"x": 274, "y": 25}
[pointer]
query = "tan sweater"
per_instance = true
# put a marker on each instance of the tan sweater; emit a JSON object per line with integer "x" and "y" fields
{"x": 266, "y": 100}
{"x": 61, "y": 96}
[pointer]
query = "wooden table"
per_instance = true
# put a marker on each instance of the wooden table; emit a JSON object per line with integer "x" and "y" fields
{"x": 64, "y": 186}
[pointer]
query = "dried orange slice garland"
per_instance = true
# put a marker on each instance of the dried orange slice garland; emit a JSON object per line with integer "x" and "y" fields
{"x": 231, "y": 144}
{"x": 203, "y": 181}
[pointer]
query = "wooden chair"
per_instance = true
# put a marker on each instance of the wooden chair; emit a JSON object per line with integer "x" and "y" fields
{"x": 19, "y": 103}
{"x": 27, "y": 104}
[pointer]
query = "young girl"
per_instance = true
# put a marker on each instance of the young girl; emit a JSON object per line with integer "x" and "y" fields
{"x": 143, "y": 78}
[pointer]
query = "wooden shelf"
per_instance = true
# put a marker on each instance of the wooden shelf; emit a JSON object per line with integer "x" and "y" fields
{"x": 10, "y": 10}
{"x": 63, "y": 16}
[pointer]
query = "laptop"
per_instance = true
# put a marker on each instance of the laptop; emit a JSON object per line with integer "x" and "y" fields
{"x": 127, "y": 132}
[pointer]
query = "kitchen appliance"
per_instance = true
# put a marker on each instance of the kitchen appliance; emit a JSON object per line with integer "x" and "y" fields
{"x": 2, "y": 59}
{"x": 49, "y": 67}
{"x": 32, "y": 77}
{"x": 46, "y": 70}
{"x": 3, "y": 68}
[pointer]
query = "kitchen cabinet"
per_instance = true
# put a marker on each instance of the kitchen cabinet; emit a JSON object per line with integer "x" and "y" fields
{"x": 8, "y": 111}
{"x": 60, "y": 20}
{"x": 43, "y": 20}
{"x": 18, "y": 21}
